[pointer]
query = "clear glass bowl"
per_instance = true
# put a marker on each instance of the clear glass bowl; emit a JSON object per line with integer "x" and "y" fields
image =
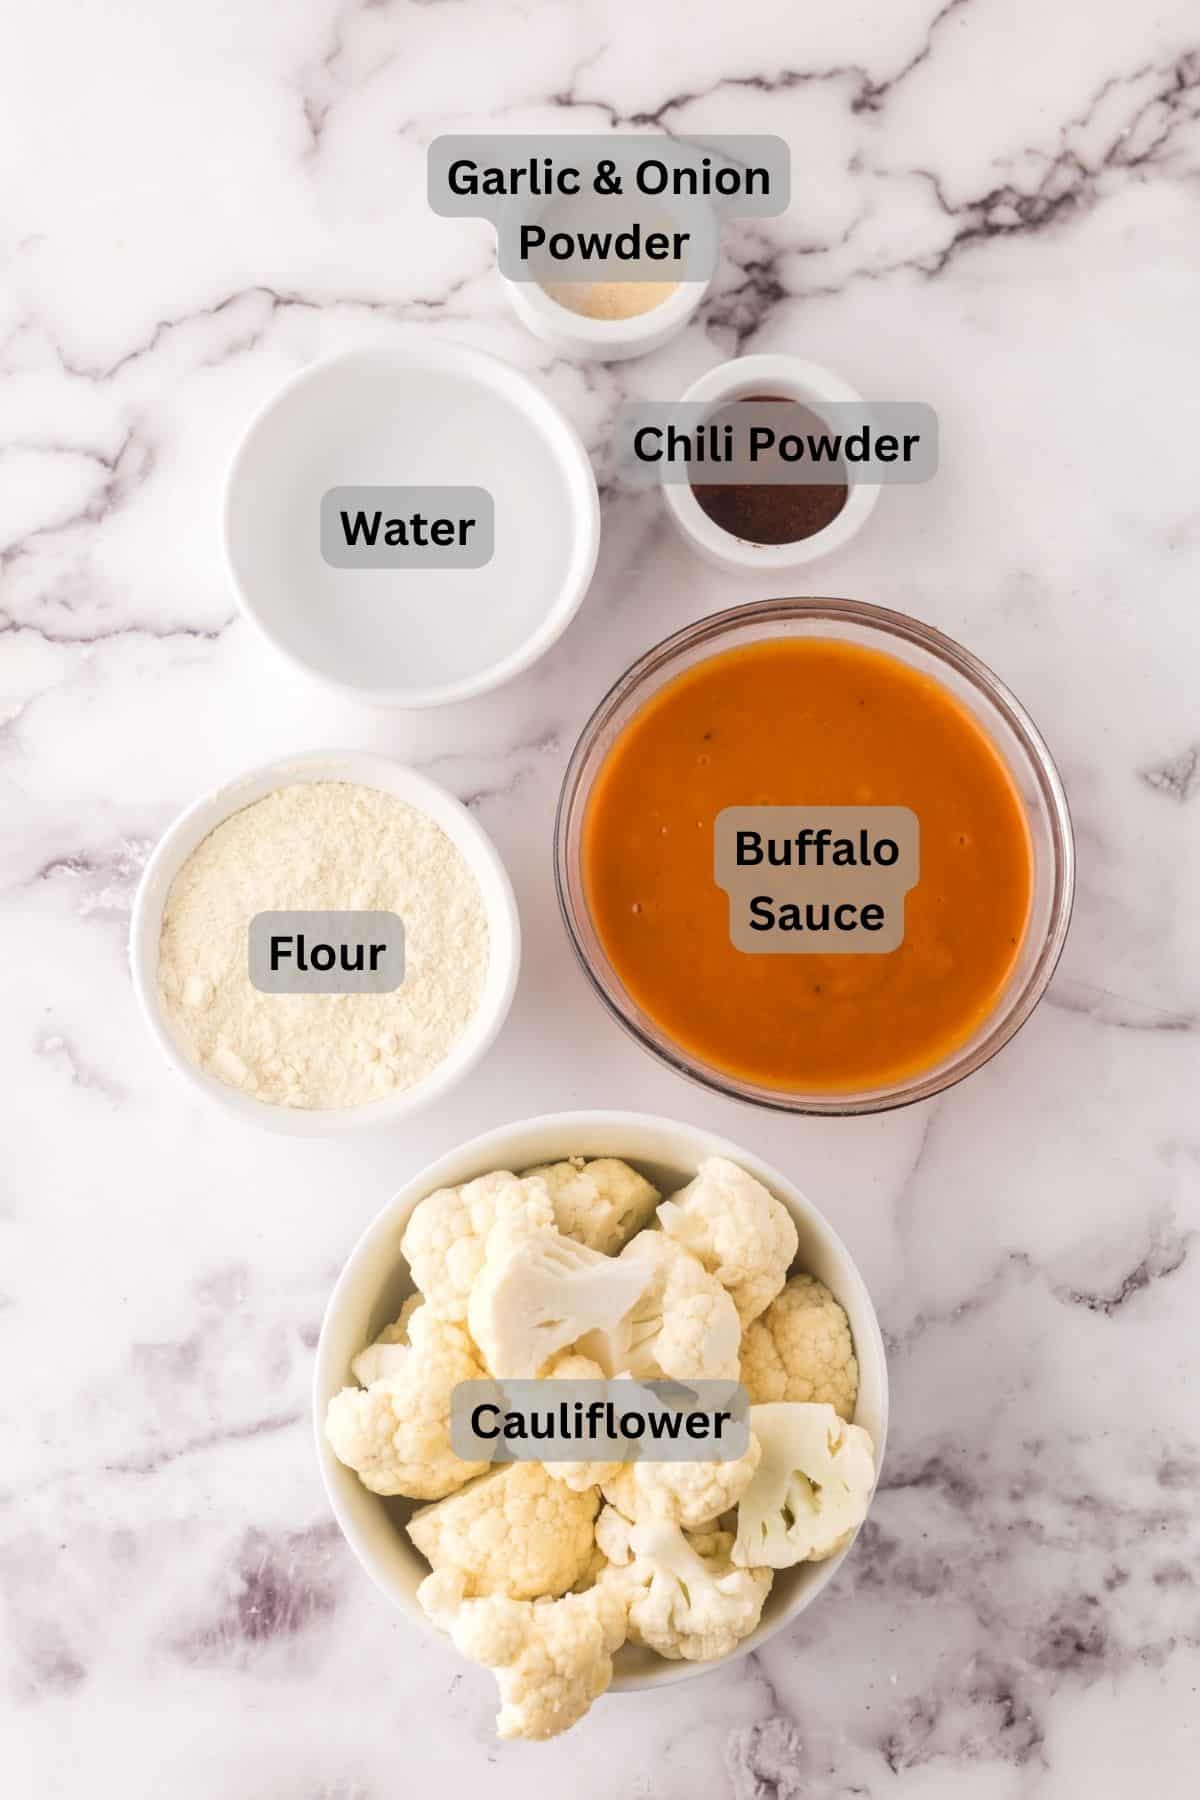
{"x": 995, "y": 710}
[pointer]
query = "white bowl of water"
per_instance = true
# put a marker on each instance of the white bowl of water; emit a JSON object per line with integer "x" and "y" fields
{"x": 433, "y": 414}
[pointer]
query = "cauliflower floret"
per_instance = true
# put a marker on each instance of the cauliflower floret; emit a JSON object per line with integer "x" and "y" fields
{"x": 601, "y": 1203}
{"x": 739, "y": 1231}
{"x": 386, "y": 1355}
{"x": 801, "y": 1349}
{"x": 515, "y": 1531}
{"x": 579, "y": 1475}
{"x": 396, "y": 1433}
{"x": 690, "y": 1494}
{"x": 812, "y": 1488}
{"x": 684, "y": 1325}
{"x": 445, "y": 1241}
{"x": 685, "y": 1597}
{"x": 596, "y": 1564}
{"x": 612, "y": 1538}
{"x": 613, "y": 1531}
{"x": 551, "y": 1658}
{"x": 538, "y": 1291}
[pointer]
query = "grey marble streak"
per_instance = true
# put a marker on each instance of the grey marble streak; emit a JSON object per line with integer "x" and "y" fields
{"x": 995, "y": 211}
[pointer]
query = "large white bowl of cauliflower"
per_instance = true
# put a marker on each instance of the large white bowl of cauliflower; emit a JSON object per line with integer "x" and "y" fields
{"x": 517, "y": 1255}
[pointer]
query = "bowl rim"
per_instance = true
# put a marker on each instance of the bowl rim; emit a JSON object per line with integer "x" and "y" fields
{"x": 188, "y": 829}
{"x": 713, "y": 629}
{"x": 570, "y": 1126}
{"x": 805, "y": 381}
{"x": 447, "y": 355}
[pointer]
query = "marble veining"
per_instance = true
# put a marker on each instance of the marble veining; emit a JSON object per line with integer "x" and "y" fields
{"x": 996, "y": 208}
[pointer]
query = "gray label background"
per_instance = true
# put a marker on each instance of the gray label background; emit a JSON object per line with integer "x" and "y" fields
{"x": 699, "y": 216}
{"x": 336, "y": 928}
{"x": 818, "y": 885}
{"x": 897, "y": 418}
{"x": 644, "y": 1397}
{"x": 400, "y": 503}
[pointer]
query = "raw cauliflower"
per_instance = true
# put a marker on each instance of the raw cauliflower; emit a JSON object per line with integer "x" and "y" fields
{"x": 602, "y": 1203}
{"x": 551, "y": 1658}
{"x": 537, "y": 1292}
{"x": 739, "y": 1231}
{"x": 563, "y": 1272}
{"x": 396, "y": 1433}
{"x": 597, "y": 1562}
{"x": 685, "y": 1598}
{"x": 811, "y": 1490}
{"x": 690, "y": 1494}
{"x": 445, "y": 1241}
{"x": 684, "y": 1324}
{"x": 386, "y": 1355}
{"x": 515, "y": 1531}
{"x": 579, "y": 1475}
{"x": 801, "y": 1349}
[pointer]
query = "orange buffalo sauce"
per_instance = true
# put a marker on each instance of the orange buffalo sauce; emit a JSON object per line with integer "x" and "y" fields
{"x": 820, "y": 722}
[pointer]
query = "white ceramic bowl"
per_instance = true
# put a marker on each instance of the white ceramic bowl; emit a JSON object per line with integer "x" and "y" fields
{"x": 193, "y": 826}
{"x": 603, "y": 340}
{"x": 612, "y": 340}
{"x": 375, "y": 1281}
{"x": 437, "y": 414}
{"x": 804, "y": 381}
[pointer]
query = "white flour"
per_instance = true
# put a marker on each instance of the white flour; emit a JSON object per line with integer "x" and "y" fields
{"x": 322, "y": 846}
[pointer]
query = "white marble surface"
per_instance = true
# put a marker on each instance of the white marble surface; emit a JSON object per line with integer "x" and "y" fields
{"x": 998, "y": 211}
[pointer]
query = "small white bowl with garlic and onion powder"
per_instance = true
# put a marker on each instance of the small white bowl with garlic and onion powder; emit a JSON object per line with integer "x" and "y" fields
{"x": 332, "y": 831}
{"x": 625, "y": 309}
{"x": 605, "y": 321}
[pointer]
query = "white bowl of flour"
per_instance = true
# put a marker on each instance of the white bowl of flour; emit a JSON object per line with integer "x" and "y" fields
{"x": 331, "y": 832}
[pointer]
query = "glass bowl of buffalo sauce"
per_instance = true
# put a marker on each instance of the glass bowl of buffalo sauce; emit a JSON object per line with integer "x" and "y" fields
{"x": 813, "y": 854}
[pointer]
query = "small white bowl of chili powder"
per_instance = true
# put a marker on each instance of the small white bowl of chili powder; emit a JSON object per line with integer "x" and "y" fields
{"x": 759, "y": 525}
